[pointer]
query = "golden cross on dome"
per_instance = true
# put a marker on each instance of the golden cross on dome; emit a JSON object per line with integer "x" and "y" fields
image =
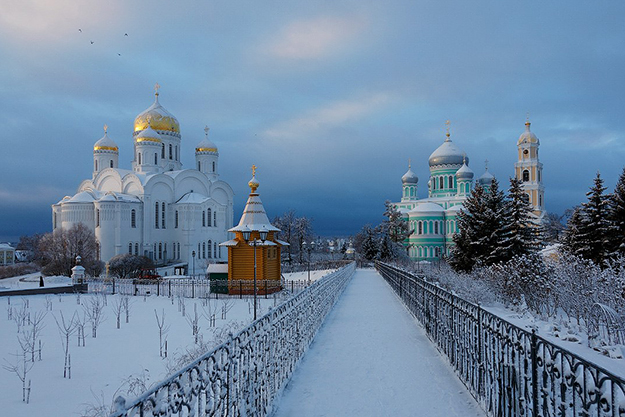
{"x": 486, "y": 164}
{"x": 156, "y": 87}
{"x": 409, "y": 163}
{"x": 106, "y": 128}
{"x": 527, "y": 116}
{"x": 254, "y": 170}
{"x": 447, "y": 123}
{"x": 206, "y": 129}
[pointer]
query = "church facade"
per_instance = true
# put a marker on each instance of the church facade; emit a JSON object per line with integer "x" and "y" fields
{"x": 156, "y": 208}
{"x": 432, "y": 220}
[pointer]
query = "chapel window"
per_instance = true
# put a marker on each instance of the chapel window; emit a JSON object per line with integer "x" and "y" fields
{"x": 133, "y": 218}
{"x": 176, "y": 220}
{"x": 171, "y": 153}
{"x": 155, "y": 159}
{"x": 111, "y": 163}
{"x": 163, "y": 150}
{"x": 526, "y": 175}
{"x": 163, "y": 214}
{"x": 441, "y": 183}
{"x": 156, "y": 215}
{"x": 209, "y": 214}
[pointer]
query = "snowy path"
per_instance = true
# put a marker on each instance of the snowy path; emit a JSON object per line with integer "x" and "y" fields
{"x": 371, "y": 358}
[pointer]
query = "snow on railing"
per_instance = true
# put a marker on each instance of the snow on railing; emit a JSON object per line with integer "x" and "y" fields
{"x": 243, "y": 376}
{"x": 509, "y": 370}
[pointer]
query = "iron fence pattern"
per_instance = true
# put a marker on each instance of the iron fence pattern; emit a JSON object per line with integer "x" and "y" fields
{"x": 509, "y": 370}
{"x": 189, "y": 287}
{"x": 243, "y": 376}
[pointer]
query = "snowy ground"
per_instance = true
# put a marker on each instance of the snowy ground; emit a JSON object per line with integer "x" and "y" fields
{"x": 100, "y": 369}
{"x": 371, "y": 358}
{"x": 32, "y": 281}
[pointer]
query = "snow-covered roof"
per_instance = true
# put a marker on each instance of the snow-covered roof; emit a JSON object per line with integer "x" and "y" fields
{"x": 192, "y": 198}
{"x": 6, "y": 246}
{"x": 427, "y": 207}
{"x": 282, "y": 242}
{"x": 528, "y": 136}
{"x": 217, "y": 269}
{"x": 232, "y": 242}
{"x": 105, "y": 144}
{"x": 254, "y": 217}
{"x": 88, "y": 196}
{"x": 409, "y": 177}
{"x": 447, "y": 153}
{"x": 456, "y": 208}
{"x": 464, "y": 172}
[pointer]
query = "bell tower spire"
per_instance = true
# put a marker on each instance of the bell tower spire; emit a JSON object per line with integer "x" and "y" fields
{"x": 529, "y": 170}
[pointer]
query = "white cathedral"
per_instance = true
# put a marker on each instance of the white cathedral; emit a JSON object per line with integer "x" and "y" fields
{"x": 156, "y": 209}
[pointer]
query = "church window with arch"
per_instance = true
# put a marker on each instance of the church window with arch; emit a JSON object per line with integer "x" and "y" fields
{"x": 441, "y": 183}
{"x": 176, "y": 220}
{"x": 97, "y": 217}
{"x": 136, "y": 249}
{"x": 130, "y": 248}
{"x": 203, "y": 250}
{"x": 111, "y": 163}
{"x": 133, "y": 218}
{"x": 526, "y": 175}
{"x": 215, "y": 249}
{"x": 96, "y": 165}
{"x": 156, "y": 215}
{"x": 209, "y": 215}
{"x": 162, "y": 150}
{"x": 139, "y": 157}
{"x": 163, "y": 215}
{"x": 198, "y": 166}
{"x": 160, "y": 251}
{"x": 171, "y": 152}
{"x": 436, "y": 228}
{"x": 155, "y": 158}
{"x": 210, "y": 244}
{"x": 203, "y": 219}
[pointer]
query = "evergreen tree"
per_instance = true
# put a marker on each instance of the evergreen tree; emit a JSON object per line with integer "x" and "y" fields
{"x": 571, "y": 233}
{"x": 521, "y": 232}
{"x": 590, "y": 226}
{"x": 369, "y": 245}
{"x": 496, "y": 231}
{"x": 467, "y": 250}
{"x": 395, "y": 225}
{"x": 617, "y": 218}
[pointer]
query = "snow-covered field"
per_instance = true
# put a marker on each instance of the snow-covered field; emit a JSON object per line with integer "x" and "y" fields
{"x": 32, "y": 281}
{"x": 121, "y": 361}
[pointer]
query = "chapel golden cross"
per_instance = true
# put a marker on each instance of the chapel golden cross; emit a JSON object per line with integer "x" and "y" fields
{"x": 106, "y": 128}
{"x": 253, "y": 170}
{"x": 156, "y": 87}
{"x": 206, "y": 129}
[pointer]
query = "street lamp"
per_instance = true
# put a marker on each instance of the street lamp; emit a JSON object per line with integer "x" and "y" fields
{"x": 247, "y": 233}
{"x": 193, "y": 256}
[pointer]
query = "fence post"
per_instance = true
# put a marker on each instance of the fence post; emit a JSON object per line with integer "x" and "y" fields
{"x": 169, "y": 295}
{"x": 479, "y": 351}
{"x": 113, "y": 286}
{"x": 193, "y": 289}
{"x": 534, "y": 354}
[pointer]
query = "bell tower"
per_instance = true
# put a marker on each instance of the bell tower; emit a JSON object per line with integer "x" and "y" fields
{"x": 529, "y": 170}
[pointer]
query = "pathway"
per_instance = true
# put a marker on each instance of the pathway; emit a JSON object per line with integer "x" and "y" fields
{"x": 371, "y": 358}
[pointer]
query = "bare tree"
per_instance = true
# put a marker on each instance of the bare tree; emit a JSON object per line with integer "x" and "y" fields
{"x": 210, "y": 311}
{"x": 37, "y": 326}
{"x": 194, "y": 322}
{"x": 162, "y": 330}
{"x": 60, "y": 248}
{"x": 126, "y": 305}
{"x": 20, "y": 368}
{"x": 226, "y": 305}
{"x": 94, "y": 311}
{"x": 66, "y": 329}
{"x": 80, "y": 326}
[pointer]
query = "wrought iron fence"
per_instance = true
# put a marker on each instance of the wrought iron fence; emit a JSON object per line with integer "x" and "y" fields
{"x": 509, "y": 370}
{"x": 191, "y": 287}
{"x": 243, "y": 376}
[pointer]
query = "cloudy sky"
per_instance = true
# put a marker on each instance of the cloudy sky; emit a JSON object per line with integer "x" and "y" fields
{"x": 328, "y": 98}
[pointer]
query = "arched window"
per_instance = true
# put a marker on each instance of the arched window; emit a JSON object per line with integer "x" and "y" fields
{"x": 420, "y": 228}
{"x": 162, "y": 150}
{"x": 155, "y": 254}
{"x": 156, "y": 215}
{"x": 97, "y": 217}
{"x": 176, "y": 149}
{"x": 538, "y": 175}
{"x": 451, "y": 182}
{"x": 436, "y": 228}
{"x": 209, "y": 215}
{"x": 198, "y": 166}
{"x": 130, "y": 248}
{"x": 160, "y": 251}
{"x": 139, "y": 157}
{"x": 203, "y": 219}
{"x": 155, "y": 158}
{"x": 526, "y": 175}
{"x": 215, "y": 249}
{"x": 540, "y": 200}
{"x": 441, "y": 182}
{"x": 176, "y": 220}
{"x": 438, "y": 252}
{"x": 96, "y": 165}
{"x": 163, "y": 217}
{"x": 204, "y": 250}
{"x": 111, "y": 163}
{"x": 210, "y": 244}
{"x": 136, "y": 249}
{"x": 213, "y": 166}
{"x": 171, "y": 152}
{"x": 133, "y": 218}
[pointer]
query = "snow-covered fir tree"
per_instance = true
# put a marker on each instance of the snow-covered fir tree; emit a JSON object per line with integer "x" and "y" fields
{"x": 467, "y": 248}
{"x": 520, "y": 232}
{"x": 395, "y": 225}
{"x": 368, "y": 243}
{"x": 617, "y": 218}
{"x": 496, "y": 221}
{"x": 595, "y": 227}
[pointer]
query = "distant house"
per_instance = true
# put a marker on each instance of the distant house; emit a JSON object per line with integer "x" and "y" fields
{"x": 7, "y": 254}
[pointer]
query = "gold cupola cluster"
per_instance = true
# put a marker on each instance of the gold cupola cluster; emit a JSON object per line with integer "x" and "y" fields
{"x": 206, "y": 146}
{"x": 157, "y": 117}
{"x": 105, "y": 144}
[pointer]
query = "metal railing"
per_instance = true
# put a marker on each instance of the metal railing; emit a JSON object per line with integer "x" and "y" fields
{"x": 243, "y": 376}
{"x": 509, "y": 370}
{"x": 191, "y": 287}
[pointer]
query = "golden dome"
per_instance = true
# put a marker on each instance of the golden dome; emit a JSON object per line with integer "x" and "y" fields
{"x": 206, "y": 145}
{"x": 157, "y": 117}
{"x": 105, "y": 143}
{"x": 148, "y": 135}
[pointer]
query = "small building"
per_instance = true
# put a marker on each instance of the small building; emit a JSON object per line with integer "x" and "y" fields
{"x": 254, "y": 244}
{"x": 7, "y": 254}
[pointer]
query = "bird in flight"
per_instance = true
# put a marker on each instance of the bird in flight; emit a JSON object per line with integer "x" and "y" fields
{"x": 125, "y": 34}
{"x": 119, "y": 54}
{"x": 79, "y": 30}
{"x": 91, "y": 42}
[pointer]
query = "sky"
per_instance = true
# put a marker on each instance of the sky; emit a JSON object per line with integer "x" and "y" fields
{"x": 328, "y": 98}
